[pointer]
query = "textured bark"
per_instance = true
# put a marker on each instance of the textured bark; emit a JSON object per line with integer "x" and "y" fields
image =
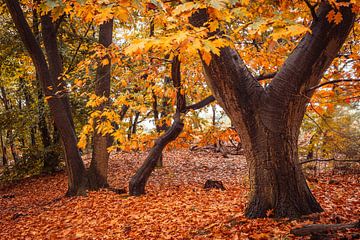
{"x": 74, "y": 165}
{"x": 268, "y": 120}
{"x": 99, "y": 163}
{"x": 138, "y": 181}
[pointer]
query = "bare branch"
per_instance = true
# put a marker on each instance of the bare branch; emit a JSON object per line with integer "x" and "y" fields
{"x": 333, "y": 82}
{"x": 312, "y": 9}
{"x": 200, "y": 104}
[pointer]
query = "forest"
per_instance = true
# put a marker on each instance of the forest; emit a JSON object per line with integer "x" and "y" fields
{"x": 179, "y": 119}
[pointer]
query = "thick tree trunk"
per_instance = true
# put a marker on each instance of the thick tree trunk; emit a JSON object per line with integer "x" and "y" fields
{"x": 268, "y": 120}
{"x": 277, "y": 182}
{"x": 98, "y": 170}
{"x": 77, "y": 183}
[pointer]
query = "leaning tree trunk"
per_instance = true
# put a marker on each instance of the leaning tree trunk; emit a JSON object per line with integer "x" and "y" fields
{"x": 138, "y": 181}
{"x": 77, "y": 182}
{"x": 98, "y": 170}
{"x": 268, "y": 120}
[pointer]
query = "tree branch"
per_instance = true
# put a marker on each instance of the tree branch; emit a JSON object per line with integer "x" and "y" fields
{"x": 265, "y": 76}
{"x": 200, "y": 104}
{"x": 312, "y": 9}
{"x": 333, "y": 82}
{"x": 321, "y": 228}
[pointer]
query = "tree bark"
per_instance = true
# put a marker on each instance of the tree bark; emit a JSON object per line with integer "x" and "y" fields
{"x": 98, "y": 170}
{"x": 268, "y": 120}
{"x": 77, "y": 183}
{"x": 138, "y": 181}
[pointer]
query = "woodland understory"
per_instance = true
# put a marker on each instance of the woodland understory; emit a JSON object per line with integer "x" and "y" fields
{"x": 176, "y": 119}
{"x": 176, "y": 205}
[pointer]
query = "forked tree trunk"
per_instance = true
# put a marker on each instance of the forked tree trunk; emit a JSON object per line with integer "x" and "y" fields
{"x": 77, "y": 182}
{"x": 98, "y": 170}
{"x": 268, "y": 120}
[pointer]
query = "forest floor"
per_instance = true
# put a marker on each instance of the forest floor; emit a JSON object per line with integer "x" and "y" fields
{"x": 175, "y": 207}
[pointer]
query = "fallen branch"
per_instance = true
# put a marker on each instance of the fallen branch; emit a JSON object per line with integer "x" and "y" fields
{"x": 331, "y": 159}
{"x": 321, "y": 228}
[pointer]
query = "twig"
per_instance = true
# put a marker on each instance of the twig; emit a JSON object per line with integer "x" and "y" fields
{"x": 333, "y": 82}
{"x": 71, "y": 66}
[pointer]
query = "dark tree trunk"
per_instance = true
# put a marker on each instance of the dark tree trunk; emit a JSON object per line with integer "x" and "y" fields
{"x": 268, "y": 120}
{"x": 44, "y": 131}
{"x": 28, "y": 101}
{"x": 138, "y": 181}
{"x": 9, "y": 134}
{"x": 10, "y": 137}
{"x": 135, "y": 123}
{"x": 50, "y": 156}
{"x": 97, "y": 173}
{"x": 77, "y": 183}
{"x": 5, "y": 161}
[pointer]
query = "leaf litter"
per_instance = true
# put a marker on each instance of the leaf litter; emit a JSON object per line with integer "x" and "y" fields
{"x": 175, "y": 207}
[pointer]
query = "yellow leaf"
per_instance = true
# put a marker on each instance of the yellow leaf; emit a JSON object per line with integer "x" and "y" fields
{"x": 105, "y": 61}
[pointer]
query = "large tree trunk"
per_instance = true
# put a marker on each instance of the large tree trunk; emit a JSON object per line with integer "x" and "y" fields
{"x": 268, "y": 120}
{"x": 99, "y": 163}
{"x": 77, "y": 182}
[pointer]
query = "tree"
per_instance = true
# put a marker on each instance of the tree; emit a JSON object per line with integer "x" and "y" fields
{"x": 268, "y": 119}
{"x": 100, "y": 156}
{"x": 49, "y": 76}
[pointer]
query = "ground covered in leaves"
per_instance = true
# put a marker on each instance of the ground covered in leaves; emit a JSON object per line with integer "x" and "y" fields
{"x": 176, "y": 205}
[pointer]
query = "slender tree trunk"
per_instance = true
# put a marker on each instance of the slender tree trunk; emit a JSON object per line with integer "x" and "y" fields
{"x": 28, "y": 101}
{"x": 51, "y": 156}
{"x": 77, "y": 182}
{"x": 9, "y": 134}
{"x": 99, "y": 163}
{"x": 10, "y": 137}
{"x": 268, "y": 120}
{"x": 138, "y": 181}
{"x": 44, "y": 131}
{"x": 3, "y": 150}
